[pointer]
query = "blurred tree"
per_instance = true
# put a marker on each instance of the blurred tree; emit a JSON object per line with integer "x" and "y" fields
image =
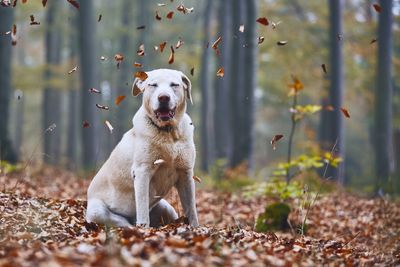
{"x": 333, "y": 131}
{"x": 383, "y": 139}
{"x": 6, "y": 21}
{"x": 73, "y": 99}
{"x": 87, "y": 49}
{"x": 221, "y": 86}
{"x": 206, "y": 108}
{"x": 243, "y": 82}
{"x": 124, "y": 117}
{"x": 52, "y": 95}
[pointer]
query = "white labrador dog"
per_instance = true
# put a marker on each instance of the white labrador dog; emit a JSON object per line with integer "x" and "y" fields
{"x": 152, "y": 157}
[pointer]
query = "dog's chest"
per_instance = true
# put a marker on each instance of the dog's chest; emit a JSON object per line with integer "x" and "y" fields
{"x": 173, "y": 155}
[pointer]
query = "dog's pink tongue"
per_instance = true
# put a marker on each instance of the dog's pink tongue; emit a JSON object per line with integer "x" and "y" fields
{"x": 164, "y": 115}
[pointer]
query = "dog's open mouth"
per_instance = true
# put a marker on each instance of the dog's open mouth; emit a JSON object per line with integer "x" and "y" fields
{"x": 165, "y": 114}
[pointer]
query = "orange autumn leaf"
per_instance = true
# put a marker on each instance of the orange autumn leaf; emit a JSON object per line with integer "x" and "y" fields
{"x": 197, "y": 179}
{"x": 220, "y": 72}
{"x": 171, "y": 56}
{"x": 119, "y": 99}
{"x": 275, "y": 139}
{"x": 170, "y": 15}
{"x": 377, "y": 8}
{"x": 216, "y": 43}
{"x": 141, "y": 75}
{"x": 137, "y": 65}
{"x": 162, "y": 46}
{"x": 296, "y": 86}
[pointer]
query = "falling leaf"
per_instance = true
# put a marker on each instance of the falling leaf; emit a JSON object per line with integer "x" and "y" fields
{"x": 157, "y": 16}
{"x": 281, "y": 42}
{"x": 323, "y": 66}
{"x": 85, "y": 124}
{"x": 274, "y": 25}
{"x": 345, "y": 112}
{"x": 141, "y": 75}
{"x": 162, "y": 46}
{"x": 119, "y": 99}
{"x": 44, "y": 2}
{"x": 171, "y": 56}
{"x": 179, "y": 43}
{"x": 216, "y": 43}
{"x": 220, "y": 72}
{"x": 263, "y": 21}
{"x": 260, "y": 39}
{"x": 155, "y": 48}
{"x": 33, "y": 22}
{"x": 74, "y": 3}
{"x": 275, "y": 140}
{"x": 159, "y": 162}
{"x": 189, "y": 9}
{"x": 94, "y": 90}
{"x": 140, "y": 51}
{"x": 103, "y": 58}
{"x": 373, "y": 41}
{"x": 14, "y": 35}
{"x": 329, "y": 108}
{"x": 142, "y": 27}
{"x": 102, "y": 107}
{"x": 296, "y": 86}
{"x": 197, "y": 179}
{"x": 159, "y": 4}
{"x": 377, "y": 8}
{"x": 100, "y": 17}
{"x": 192, "y": 71}
{"x": 118, "y": 57}
{"x": 73, "y": 70}
{"x": 181, "y": 8}
{"x": 137, "y": 65}
{"x": 170, "y": 15}
{"x": 241, "y": 28}
{"x": 110, "y": 127}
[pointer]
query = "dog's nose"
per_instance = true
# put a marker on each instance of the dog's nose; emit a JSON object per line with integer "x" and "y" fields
{"x": 163, "y": 98}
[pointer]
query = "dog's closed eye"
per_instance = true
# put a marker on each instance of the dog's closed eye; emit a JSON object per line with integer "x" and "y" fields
{"x": 153, "y": 84}
{"x": 174, "y": 84}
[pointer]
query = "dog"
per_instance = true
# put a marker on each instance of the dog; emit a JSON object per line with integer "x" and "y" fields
{"x": 157, "y": 154}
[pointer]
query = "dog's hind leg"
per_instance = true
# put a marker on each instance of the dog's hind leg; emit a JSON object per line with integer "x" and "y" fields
{"x": 98, "y": 212}
{"x": 162, "y": 213}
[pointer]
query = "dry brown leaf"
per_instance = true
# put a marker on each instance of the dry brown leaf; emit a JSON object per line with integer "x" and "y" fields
{"x": 192, "y": 71}
{"x": 281, "y": 42}
{"x": 140, "y": 51}
{"x": 220, "y": 72}
{"x": 260, "y": 39}
{"x": 33, "y": 22}
{"x": 323, "y": 66}
{"x": 263, "y": 21}
{"x": 137, "y": 65}
{"x": 142, "y": 27}
{"x": 171, "y": 56}
{"x": 296, "y": 86}
{"x": 44, "y": 3}
{"x": 162, "y": 46}
{"x": 85, "y": 124}
{"x": 373, "y": 41}
{"x": 14, "y": 35}
{"x": 329, "y": 108}
{"x": 161, "y": 4}
{"x": 241, "y": 28}
{"x": 73, "y": 70}
{"x": 181, "y": 8}
{"x": 74, "y": 3}
{"x": 119, "y": 99}
{"x": 170, "y": 15}
{"x": 179, "y": 43}
{"x": 141, "y": 75}
{"x": 118, "y": 57}
{"x": 275, "y": 140}
{"x": 157, "y": 16}
{"x": 377, "y": 7}
{"x": 197, "y": 179}
{"x": 216, "y": 43}
{"x": 100, "y": 17}
{"x": 345, "y": 112}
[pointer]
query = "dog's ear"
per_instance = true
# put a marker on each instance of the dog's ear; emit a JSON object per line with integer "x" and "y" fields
{"x": 137, "y": 87}
{"x": 187, "y": 85}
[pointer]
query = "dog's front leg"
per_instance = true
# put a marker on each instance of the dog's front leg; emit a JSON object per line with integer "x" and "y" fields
{"x": 142, "y": 179}
{"x": 186, "y": 190}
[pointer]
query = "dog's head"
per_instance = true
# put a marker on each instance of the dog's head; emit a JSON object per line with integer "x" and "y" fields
{"x": 164, "y": 92}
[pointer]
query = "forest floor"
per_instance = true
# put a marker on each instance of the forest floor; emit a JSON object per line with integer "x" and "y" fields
{"x": 42, "y": 224}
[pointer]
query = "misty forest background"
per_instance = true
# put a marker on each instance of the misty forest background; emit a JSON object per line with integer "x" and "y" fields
{"x": 345, "y": 54}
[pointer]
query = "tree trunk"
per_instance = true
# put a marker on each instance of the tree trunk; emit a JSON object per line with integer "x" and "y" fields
{"x": 333, "y": 120}
{"x": 250, "y": 72}
{"x": 6, "y": 21}
{"x": 124, "y": 117}
{"x": 88, "y": 63}
{"x": 206, "y": 109}
{"x": 237, "y": 83}
{"x": 52, "y": 96}
{"x": 221, "y": 86}
{"x": 383, "y": 141}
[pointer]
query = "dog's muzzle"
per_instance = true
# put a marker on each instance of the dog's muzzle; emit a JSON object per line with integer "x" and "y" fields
{"x": 164, "y": 113}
